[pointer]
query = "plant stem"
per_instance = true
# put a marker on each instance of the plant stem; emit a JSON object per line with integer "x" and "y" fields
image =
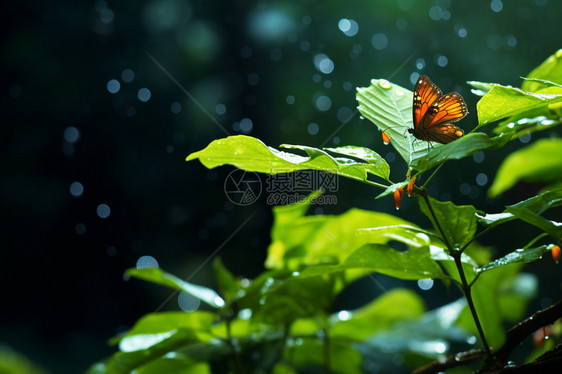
{"x": 468, "y": 295}
{"x": 456, "y": 254}
{"x": 433, "y": 174}
{"x": 233, "y": 347}
{"x": 326, "y": 352}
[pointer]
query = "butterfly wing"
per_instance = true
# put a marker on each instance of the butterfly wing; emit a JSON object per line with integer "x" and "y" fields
{"x": 436, "y": 123}
{"x": 425, "y": 94}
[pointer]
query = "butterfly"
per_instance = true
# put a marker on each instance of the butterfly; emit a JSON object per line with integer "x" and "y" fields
{"x": 433, "y": 113}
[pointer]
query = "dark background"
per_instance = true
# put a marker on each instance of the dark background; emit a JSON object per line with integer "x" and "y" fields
{"x": 63, "y": 292}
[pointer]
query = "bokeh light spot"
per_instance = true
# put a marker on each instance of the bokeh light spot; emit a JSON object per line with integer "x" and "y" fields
{"x": 80, "y": 228}
{"x": 379, "y": 41}
{"x": 290, "y": 99}
{"x": 323, "y": 103}
{"x": 113, "y": 86}
{"x": 246, "y": 125}
{"x": 71, "y": 134}
{"x": 348, "y": 26}
{"x": 127, "y": 75}
{"x": 442, "y": 61}
{"x": 144, "y": 95}
{"x": 478, "y": 157}
{"x": 420, "y": 63}
{"x": 146, "y": 262}
{"x": 496, "y": 5}
{"x": 188, "y": 303}
{"x": 481, "y": 179}
{"x": 253, "y": 79}
{"x": 175, "y": 107}
{"x": 103, "y": 211}
{"x": 323, "y": 63}
{"x": 220, "y": 109}
{"x": 313, "y": 128}
{"x": 425, "y": 284}
{"x": 76, "y": 189}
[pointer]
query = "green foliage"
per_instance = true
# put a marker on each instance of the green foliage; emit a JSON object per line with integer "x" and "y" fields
{"x": 389, "y": 106}
{"x": 251, "y": 154}
{"x": 284, "y": 321}
{"x": 12, "y": 362}
{"x": 156, "y": 275}
{"x": 541, "y": 162}
{"x": 457, "y": 223}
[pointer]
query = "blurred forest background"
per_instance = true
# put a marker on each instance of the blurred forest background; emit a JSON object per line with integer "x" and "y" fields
{"x": 96, "y": 126}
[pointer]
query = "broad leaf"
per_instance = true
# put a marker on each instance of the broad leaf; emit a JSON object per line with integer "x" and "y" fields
{"x": 458, "y": 222}
{"x": 536, "y": 204}
{"x": 529, "y": 122}
{"x": 158, "y": 276}
{"x": 394, "y": 306}
{"x": 428, "y": 335}
{"x": 228, "y": 285}
{"x": 153, "y": 328}
{"x": 343, "y": 356}
{"x": 518, "y": 256}
{"x": 250, "y": 154}
{"x": 415, "y": 263}
{"x": 505, "y": 101}
{"x": 497, "y": 298}
{"x": 299, "y": 240}
{"x": 553, "y": 228}
{"x": 389, "y": 107}
{"x": 550, "y": 69}
{"x": 540, "y": 162}
{"x": 460, "y": 148}
{"x": 294, "y": 297}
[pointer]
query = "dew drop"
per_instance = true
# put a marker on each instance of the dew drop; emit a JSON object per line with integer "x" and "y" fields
{"x": 384, "y": 84}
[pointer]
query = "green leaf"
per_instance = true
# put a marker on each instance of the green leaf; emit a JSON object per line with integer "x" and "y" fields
{"x": 396, "y": 305}
{"x": 428, "y": 335}
{"x": 493, "y": 294}
{"x": 481, "y": 88}
{"x": 392, "y": 188}
{"x": 505, "y": 101}
{"x": 415, "y": 263}
{"x": 553, "y": 228}
{"x": 294, "y": 297}
{"x": 12, "y": 362}
{"x": 518, "y": 256}
{"x": 177, "y": 364}
{"x": 367, "y": 155}
{"x": 460, "y": 148}
{"x": 227, "y": 283}
{"x": 458, "y": 222}
{"x": 389, "y": 107}
{"x": 344, "y": 358}
{"x": 250, "y": 154}
{"x": 535, "y": 205}
{"x": 529, "y": 122}
{"x": 154, "y": 328}
{"x": 299, "y": 240}
{"x": 540, "y": 162}
{"x": 550, "y": 69}
{"x": 125, "y": 362}
{"x": 158, "y": 276}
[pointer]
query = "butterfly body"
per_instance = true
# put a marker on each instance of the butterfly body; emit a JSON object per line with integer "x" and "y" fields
{"x": 433, "y": 113}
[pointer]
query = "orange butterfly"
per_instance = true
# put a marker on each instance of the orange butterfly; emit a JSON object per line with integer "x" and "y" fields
{"x": 433, "y": 113}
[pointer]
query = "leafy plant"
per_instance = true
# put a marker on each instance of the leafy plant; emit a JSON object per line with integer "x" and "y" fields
{"x": 283, "y": 321}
